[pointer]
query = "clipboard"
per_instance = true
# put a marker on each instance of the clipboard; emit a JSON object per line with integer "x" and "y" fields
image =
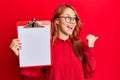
{"x": 35, "y": 44}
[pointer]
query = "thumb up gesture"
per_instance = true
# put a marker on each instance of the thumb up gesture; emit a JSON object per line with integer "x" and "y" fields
{"x": 91, "y": 40}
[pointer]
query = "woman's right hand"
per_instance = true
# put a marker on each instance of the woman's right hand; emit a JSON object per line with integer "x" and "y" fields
{"x": 16, "y": 45}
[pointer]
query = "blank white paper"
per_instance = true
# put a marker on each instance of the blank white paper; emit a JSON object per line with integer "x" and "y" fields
{"x": 35, "y": 46}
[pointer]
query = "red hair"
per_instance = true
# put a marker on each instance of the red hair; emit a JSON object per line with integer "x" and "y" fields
{"x": 75, "y": 41}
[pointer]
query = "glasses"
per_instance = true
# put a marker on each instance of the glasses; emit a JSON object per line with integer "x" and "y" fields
{"x": 68, "y": 19}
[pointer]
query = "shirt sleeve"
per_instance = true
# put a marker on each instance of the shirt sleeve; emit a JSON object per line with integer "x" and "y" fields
{"x": 89, "y": 63}
{"x": 33, "y": 73}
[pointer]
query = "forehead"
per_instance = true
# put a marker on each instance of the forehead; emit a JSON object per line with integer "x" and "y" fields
{"x": 68, "y": 11}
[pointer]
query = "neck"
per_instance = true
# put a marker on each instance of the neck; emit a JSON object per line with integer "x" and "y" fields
{"x": 63, "y": 37}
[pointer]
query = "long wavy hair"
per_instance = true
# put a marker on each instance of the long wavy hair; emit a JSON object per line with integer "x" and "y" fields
{"x": 75, "y": 41}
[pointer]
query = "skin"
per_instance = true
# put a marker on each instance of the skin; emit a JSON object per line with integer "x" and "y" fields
{"x": 65, "y": 30}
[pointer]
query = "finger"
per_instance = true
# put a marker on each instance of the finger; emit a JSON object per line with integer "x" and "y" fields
{"x": 90, "y": 37}
{"x": 16, "y": 41}
{"x": 13, "y": 44}
{"x": 20, "y": 46}
{"x": 16, "y": 47}
{"x": 96, "y": 38}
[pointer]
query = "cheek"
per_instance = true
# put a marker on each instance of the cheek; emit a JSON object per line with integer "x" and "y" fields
{"x": 62, "y": 24}
{"x": 62, "y": 28}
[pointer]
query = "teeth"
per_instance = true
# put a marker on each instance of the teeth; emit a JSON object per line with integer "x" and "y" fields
{"x": 70, "y": 27}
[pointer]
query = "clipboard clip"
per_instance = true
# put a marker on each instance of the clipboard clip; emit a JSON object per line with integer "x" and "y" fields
{"x": 33, "y": 23}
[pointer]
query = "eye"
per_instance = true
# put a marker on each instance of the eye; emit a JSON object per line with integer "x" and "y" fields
{"x": 68, "y": 17}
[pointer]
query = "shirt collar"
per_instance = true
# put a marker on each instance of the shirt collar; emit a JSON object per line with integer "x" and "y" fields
{"x": 60, "y": 40}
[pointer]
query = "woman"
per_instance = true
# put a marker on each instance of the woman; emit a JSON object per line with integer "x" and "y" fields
{"x": 71, "y": 58}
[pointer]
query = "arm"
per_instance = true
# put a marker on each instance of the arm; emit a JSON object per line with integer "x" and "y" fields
{"x": 32, "y": 73}
{"x": 89, "y": 64}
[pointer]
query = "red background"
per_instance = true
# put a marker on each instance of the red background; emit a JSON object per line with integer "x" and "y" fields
{"x": 99, "y": 17}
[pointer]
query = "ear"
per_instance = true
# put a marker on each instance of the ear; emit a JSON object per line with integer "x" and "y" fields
{"x": 57, "y": 21}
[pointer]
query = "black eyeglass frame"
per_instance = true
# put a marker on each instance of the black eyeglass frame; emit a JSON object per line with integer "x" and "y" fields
{"x": 68, "y": 18}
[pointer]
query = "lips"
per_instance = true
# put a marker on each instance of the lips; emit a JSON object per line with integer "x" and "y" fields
{"x": 70, "y": 27}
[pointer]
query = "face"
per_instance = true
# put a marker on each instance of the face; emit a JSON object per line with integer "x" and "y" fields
{"x": 66, "y": 22}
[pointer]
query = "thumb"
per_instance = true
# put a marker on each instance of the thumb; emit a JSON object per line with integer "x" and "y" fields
{"x": 96, "y": 38}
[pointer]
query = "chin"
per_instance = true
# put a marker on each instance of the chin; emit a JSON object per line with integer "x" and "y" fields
{"x": 70, "y": 33}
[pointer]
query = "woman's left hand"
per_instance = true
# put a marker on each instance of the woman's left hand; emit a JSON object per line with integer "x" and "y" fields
{"x": 91, "y": 40}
